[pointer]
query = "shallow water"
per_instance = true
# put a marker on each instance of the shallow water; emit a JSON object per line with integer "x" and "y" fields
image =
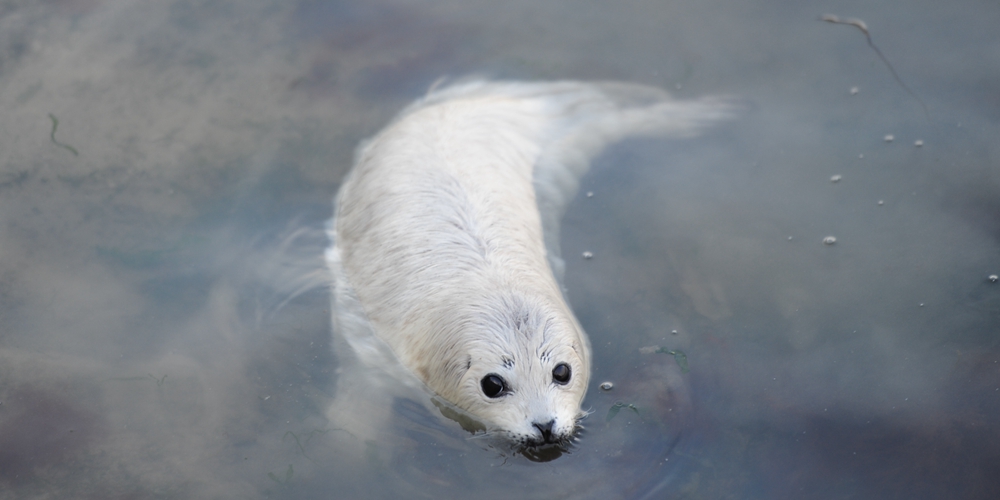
{"x": 164, "y": 330}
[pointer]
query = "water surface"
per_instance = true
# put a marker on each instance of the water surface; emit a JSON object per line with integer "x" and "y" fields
{"x": 164, "y": 330}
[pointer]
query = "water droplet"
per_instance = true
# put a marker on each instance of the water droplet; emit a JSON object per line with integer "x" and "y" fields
{"x": 590, "y": 194}
{"x": 836, "y": 178}
{"x": 607, "y": 386}
{"x": 854, "y": 91}
{"x": 993, "y": 278}
{"x": 889, "y": 138}
{"x": 829, "y": 240}
{"x": 588, "y": 255}
{"x": 881, "y": 202}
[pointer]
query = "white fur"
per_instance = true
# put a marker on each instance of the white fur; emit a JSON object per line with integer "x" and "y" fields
{"x": 446, "y": 239}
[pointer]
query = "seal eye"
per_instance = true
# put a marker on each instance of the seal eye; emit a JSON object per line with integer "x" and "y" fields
{"x": 561, "y": 373}
{"x": 493, "y": 386}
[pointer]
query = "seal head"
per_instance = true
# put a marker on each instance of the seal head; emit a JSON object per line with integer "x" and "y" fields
{"x": 522, "y": 363}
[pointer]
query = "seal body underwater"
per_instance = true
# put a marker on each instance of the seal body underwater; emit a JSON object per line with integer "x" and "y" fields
{"x": 445, "y": 246}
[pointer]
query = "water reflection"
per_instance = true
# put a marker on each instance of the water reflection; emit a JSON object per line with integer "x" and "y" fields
{"x": 164, "y": 327}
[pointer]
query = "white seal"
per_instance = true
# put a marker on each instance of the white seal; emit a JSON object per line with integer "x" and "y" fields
{"x": 445, "y": 242}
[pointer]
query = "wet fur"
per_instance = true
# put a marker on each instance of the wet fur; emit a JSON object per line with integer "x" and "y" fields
{"x": 445, "y": 252}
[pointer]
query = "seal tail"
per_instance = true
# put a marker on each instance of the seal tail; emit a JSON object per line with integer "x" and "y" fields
{"x": 578, "y": 121}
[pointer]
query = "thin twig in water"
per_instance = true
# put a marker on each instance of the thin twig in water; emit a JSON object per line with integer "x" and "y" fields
{"x": 859, "y": 24}
{"x": 52, "y": 135}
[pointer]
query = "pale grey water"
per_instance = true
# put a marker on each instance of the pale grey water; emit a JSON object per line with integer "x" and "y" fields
{"x": 153, "y": 344}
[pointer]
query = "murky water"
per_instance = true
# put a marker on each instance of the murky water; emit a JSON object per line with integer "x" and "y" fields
{"x": 164, "y": 331}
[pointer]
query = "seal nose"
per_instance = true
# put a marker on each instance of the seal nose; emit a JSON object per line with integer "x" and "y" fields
{"x": 545, "y": 429}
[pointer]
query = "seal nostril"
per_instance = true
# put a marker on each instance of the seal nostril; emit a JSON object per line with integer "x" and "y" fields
{"x": 545, "y": 429}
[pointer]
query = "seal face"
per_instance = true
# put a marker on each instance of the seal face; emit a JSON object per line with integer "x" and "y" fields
{"x": 526, "y": 368}
{"x": 439, "y": 243}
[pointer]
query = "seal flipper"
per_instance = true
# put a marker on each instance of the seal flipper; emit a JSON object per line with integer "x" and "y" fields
{"x": 587, "y": 118}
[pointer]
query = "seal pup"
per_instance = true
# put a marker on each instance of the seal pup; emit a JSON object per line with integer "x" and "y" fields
{"x": 445, "y": 246}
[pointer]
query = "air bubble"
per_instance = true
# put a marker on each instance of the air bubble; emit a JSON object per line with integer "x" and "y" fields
{"x": 854, "y": 91}
{"x": 881, "y": 202}
{"x": 836, "y": 178}
{"x": 607, "y": 386}
{"x": 889, "y": 138}
{"x": 590, "y": 194}
{"x": 993, "y": 278}
{"x": 829, "y": 240}
{"x": 674, "y": 332}
{"x": 588, "y": 255}
{"x": 918, "y": 143}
